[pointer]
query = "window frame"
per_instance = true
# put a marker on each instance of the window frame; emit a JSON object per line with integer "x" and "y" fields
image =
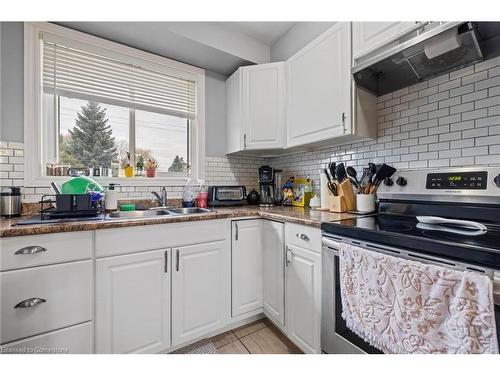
{"x": 33, "y": 114}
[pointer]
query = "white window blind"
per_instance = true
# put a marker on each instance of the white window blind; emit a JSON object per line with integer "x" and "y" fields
{"x": 77, "y": 73}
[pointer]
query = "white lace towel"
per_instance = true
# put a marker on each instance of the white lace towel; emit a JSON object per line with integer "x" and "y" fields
{"x": 402, "y": 306}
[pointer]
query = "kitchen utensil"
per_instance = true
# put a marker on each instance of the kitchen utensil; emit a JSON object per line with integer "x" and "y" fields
{"x": 383, "y": 171}
{"x": 436, "y": 220}
{"x": 353, "y": 176}
{"x": 56, "y": 189}
{"x": 10, "y": 201}
{"x": 340, "y": 172}
{"x": 331, "y": 168}
{"x": 331, "y": 184}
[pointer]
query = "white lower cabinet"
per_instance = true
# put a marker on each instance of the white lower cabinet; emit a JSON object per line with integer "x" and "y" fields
{"x": 200, "y": 290}
{"x": 246, "y": 261}
{"x": 42, "y": 299}
{"x": 72, "y": 340}
{"x": 273, "y": 253}
{"x": 133, "y": 303}
{"x": 303, "y": 298}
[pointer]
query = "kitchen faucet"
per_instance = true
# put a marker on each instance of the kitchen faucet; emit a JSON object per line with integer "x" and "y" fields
{"x": 161, "y": 198}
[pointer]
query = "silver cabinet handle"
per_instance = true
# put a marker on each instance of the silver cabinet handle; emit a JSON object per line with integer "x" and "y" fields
{"x": 236, "y": 234}
{"x": 30, "y": 250}
{"x": 244, "y": 140}
{"x": 288, "y": 257}
{"x": 166, "y": 261}
{"x": 30, "y": 302}
{"x": 303, "y": 236}
{"x": 177, "y": 260}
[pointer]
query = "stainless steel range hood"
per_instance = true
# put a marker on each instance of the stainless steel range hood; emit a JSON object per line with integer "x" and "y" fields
{"x": 432, "y": 50}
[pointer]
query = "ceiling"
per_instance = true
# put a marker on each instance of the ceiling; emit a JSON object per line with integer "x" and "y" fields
{"x": 220, "y": 47}
{"x": 265, "y": 32}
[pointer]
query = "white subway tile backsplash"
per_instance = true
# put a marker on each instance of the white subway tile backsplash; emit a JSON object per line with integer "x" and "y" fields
{"x": 475, "y": 77}
{"x": 461, "y": 90}
{"x": 462, "y": 72}
{"x": 458, "y": 162}
{"x": 491, "y": 140}
{"x": 488, "y": 121}
{"x": 476, "y": 95}
{"x": 473, "y": 133}
{"x": 450, "y": 85}
{"x": 451, "y": 120}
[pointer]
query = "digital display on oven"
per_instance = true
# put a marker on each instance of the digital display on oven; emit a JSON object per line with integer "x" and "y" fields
{"x": 458, "y": 181}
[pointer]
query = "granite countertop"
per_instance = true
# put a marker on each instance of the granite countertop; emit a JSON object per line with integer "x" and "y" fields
{"x": 304, "y": 216}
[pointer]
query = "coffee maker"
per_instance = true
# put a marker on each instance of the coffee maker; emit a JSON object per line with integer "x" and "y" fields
{"x": 267, "y": 186}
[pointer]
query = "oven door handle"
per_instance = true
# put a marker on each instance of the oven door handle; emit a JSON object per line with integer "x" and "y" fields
{"x": 331, "y": 244}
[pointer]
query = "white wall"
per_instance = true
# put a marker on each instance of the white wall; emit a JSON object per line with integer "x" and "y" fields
{"x": 11, "y": 66}
{"x": 215, "y": 114}
{"x": 297, "y": 38}
{"x": 12, "y": 96}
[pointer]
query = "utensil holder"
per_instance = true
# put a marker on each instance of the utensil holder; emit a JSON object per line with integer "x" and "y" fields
{"x": 365, "y": 203}
{"x": 337, "y": 204}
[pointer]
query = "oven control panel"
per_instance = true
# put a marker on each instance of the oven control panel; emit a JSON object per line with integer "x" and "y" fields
{"x": 459, "y": 181}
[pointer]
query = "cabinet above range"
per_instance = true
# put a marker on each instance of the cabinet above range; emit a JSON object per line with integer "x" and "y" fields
{"x": 308, "y": 101}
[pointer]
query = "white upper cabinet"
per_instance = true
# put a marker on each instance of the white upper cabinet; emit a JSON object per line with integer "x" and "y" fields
{"x": 318, "y": 81}
{"x": 367, "y": 36}
{"x": 255, "y": 108}
{"x": 246, "y": 258}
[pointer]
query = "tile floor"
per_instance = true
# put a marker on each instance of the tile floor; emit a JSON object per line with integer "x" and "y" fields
{"x": 259, "y": 337}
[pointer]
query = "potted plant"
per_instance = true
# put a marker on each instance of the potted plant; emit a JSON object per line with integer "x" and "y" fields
{"x": 151, "y": 166}
{"x": 128, "y": 169}
{"x": 139, "y": 166}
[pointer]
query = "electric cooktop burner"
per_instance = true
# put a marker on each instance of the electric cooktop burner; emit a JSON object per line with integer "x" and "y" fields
{"x": 408, "y": 226}
{"x": 476, "y": 247}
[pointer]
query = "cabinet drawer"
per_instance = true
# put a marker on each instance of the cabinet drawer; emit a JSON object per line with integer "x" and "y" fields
{"x": 72, "y": 340}
{"x": 303, "y": 236}
{"x": 44, "y": 249}
{"x": 64, "y": 293}
{"x": 109, "y": 242}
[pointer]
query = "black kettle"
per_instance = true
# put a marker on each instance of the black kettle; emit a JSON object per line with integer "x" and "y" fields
{"x": 253, "y": 197}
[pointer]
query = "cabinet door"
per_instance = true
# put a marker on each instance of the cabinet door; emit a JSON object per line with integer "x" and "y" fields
{"x": 132, "y": 312}
{"x": 319, "y": 88}
{"x": 234, "y": 140}
{"x": 273, "y": 248}
{"x": 246, "y": 259}
{"x": 200, "y": 290}
{"x": 367, "y": 36}
{"x": 263, "y": 106}
{"x": 303, "y": 298}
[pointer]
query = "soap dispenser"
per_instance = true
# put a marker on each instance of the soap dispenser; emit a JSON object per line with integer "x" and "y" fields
{"x": 111, "y": 198}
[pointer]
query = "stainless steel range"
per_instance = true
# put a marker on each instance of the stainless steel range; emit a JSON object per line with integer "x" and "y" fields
{"x": 445, "y": 217}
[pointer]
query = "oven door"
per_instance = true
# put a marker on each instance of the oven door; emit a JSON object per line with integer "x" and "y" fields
{"x": 335, "y": 336}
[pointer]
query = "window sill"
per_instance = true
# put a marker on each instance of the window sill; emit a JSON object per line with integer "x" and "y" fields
{"x": 45, "y": 181}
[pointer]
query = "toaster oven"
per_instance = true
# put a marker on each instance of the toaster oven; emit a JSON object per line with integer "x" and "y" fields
{"x": 227, "y": 195}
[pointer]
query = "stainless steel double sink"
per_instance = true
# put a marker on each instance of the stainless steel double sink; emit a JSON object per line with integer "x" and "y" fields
{"x": 156, "y": 212}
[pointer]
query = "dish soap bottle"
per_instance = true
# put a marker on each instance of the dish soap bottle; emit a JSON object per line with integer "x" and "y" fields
{"x": 111, "y": 198}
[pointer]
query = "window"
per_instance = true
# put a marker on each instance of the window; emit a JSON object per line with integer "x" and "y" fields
{"x": 104, "y": 108}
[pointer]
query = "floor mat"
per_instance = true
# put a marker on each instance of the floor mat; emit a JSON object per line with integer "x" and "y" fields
{"x": 200, "y": 347}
